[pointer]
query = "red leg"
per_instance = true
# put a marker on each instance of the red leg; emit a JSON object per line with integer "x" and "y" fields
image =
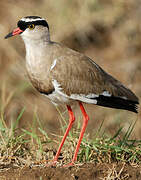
{"x": 71, "y": 121}
{"x": 85, "y": 122}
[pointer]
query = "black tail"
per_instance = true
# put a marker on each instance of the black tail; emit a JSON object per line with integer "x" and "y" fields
{"x": 117, "y": 102}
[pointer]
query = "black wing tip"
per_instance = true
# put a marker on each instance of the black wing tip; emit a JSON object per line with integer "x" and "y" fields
{"x": 117, "y": 103}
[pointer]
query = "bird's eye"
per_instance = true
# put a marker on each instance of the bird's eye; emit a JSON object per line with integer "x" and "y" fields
{"x": 31, "y": 26}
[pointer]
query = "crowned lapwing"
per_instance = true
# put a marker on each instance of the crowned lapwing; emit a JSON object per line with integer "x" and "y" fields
{"x": 66, "y": 76}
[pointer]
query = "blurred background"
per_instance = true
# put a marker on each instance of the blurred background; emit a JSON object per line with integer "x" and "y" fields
{"x": 107, "y": 31}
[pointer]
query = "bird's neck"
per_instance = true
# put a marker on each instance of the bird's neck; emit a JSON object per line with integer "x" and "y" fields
{"x": 36, "y": 43}
{"x": 36, "y": 47}
{"x": 33, "y": 42}
{"x": 35, "y": 56}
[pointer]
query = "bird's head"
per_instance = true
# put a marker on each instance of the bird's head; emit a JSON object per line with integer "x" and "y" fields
{"x": 31, "y": 28}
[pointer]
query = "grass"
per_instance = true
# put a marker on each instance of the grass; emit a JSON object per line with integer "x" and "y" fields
{"x": 20, "y": 147}
{"x": 105, "y": 149}
{"x": 102, "y": 148}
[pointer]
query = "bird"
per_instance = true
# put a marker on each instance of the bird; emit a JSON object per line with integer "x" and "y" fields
{"x": 66, "y": 76}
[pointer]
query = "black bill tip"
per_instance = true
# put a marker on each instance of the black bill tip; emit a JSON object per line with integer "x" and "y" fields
{"x": 8, "y": 35}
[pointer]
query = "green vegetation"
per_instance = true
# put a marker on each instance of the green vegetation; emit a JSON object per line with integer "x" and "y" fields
{"x": 115, "y": 149}
{"x": 21, "y": 147}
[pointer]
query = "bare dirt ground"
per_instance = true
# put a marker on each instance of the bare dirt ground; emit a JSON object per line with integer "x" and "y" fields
{"x": 83, "y": 172}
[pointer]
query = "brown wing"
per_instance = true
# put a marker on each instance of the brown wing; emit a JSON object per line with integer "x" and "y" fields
{"x": 78, "y": 74}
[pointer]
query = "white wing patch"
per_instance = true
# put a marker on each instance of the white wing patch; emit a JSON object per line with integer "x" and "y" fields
{"x": 53, "y": 64}
{"x": 90, "y": 98}
{"x": 83, "y": 98}
{"x": 57, "y": 86}
{"x": 58, "y": 96}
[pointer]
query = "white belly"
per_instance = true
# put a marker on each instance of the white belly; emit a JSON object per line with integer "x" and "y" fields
{"x": 58, "y": 99}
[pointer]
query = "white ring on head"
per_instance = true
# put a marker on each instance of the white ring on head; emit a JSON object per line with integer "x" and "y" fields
{"x": 31, "y": 19}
